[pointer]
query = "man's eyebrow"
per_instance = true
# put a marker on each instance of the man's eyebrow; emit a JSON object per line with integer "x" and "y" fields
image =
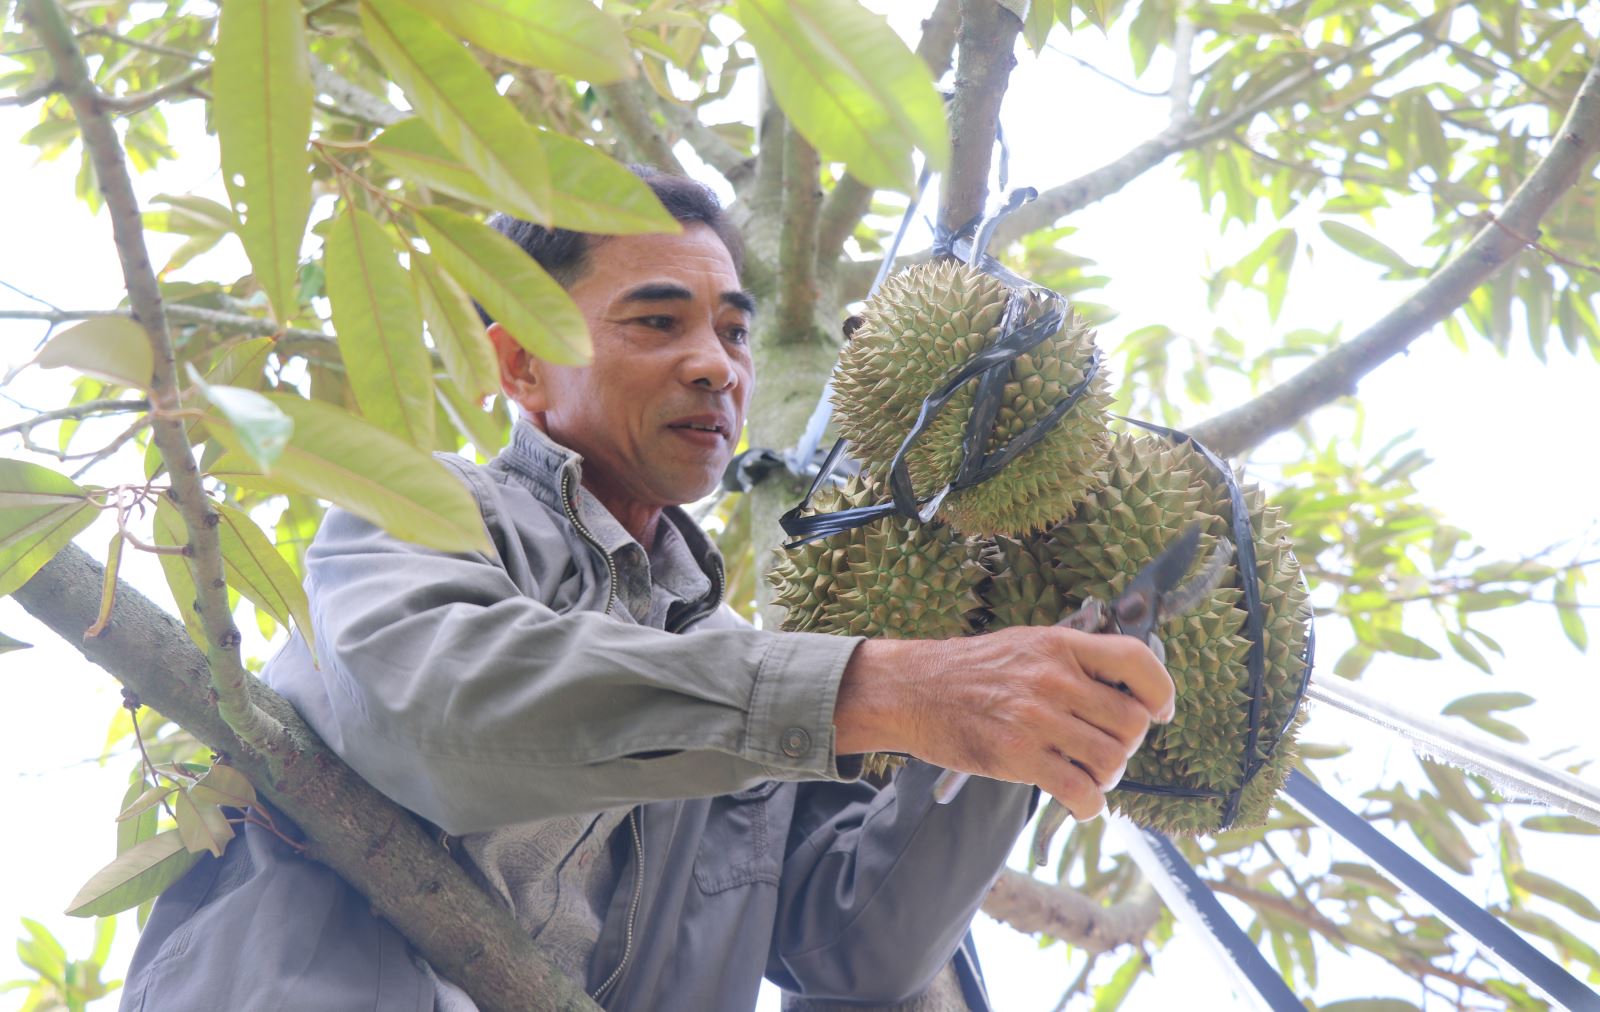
{"x": 656, "y": 291}
{"x": 742, "y": 301}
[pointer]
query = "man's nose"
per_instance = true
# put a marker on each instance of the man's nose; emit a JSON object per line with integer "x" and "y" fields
{"x": 708, "y": 364}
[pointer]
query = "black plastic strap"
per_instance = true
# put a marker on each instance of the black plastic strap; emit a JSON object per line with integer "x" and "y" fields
{"x": 1466, "y": 915}
{"x": 1267, "y": 981}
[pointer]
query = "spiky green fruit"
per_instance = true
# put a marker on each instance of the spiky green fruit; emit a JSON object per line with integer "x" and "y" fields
{"x": 922, "y": 326}
{"x": 894, "y": 578}
{"x": 1153, "y": 490}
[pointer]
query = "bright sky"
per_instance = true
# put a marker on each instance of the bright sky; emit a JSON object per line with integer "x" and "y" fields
{"x": 1509, "y": 438}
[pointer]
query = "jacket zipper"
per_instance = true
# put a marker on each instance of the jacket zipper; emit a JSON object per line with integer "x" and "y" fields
{"x": 633, "y": 908}
{"x": 583, "y": 532}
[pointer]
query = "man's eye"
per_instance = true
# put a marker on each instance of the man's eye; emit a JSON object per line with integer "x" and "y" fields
{"x": 657, "y": 322}
{"x": 738, "y": 335}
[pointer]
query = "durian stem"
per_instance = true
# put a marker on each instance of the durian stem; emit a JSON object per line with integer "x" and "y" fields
{"x": 1500, "y": 239}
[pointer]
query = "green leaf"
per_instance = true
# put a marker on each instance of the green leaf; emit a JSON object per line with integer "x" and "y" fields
{"x": 486, "y": 430}
{"x": 1561, "y": 824}
{"x": 455, "y": 96}
{"x": 1397, "y": 642}
{"x": 335, "y": 456}
{"x": 7, "y": 644}
{"x": 201, "y": 824}
{"x": 591, "y": 192}
{"x": 408, "y": 148}
{"x": 1036, "y": 26}
{"x": 1487, "y": 702}
{"x": 1554, "y": 891}
{"x": 514, "y": 289}
{"x": 224, "y": 785}
{"x": 170, "y": 532}
{"x": 140, "y": 812}
{"x": 1468, "y": 652}
{"x": 1567, "y": 610}
{"x": 111, "y": 348}
{"x": 456, "y": 329}
{"x": 261, "y": 83}
{"x": 1365, "y": 246}
{"x": 41, "y": 951}
{"x": 133, "y": 877}
{"x": 570, "y": 37}
{"x": 596, "y": 193}
{"x": 379, "y": 324}
{"x": 1108, "y": 997}
{"x": 254, "y": 568}
{"x": 849, "y": 85}
{"x": 40, "y": 513}
{"x": 259, "y": 428}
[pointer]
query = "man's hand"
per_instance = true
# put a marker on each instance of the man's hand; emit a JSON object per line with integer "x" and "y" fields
{"x": 1032, "y": 705}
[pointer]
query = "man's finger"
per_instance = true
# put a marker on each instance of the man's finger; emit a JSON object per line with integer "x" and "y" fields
{"x": 1071, "y": 786}
{"x": 1112, "y": 711}
{"x": 1126, "y": 661}
{"x": 1103, "y": 757}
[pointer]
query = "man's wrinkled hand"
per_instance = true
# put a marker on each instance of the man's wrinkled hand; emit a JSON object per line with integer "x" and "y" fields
{"x": 1037, "y": 705}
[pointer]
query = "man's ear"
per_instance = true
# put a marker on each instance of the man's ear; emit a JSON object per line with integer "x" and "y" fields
{"x": 521, "y": 374}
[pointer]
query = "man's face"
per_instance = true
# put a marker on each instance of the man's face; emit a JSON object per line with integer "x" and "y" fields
{"x": 658, "y": 411}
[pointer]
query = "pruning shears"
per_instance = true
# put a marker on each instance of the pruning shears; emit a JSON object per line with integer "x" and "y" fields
{"x": 1156, "y": 594}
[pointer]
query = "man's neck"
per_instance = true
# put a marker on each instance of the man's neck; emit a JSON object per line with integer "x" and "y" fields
{"x": 639, "y": 520}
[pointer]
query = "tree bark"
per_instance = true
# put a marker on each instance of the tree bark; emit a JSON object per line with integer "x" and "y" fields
{"x": 1036, "y": 907}
{"x": 378, "y": 847}
{"x": 986, "y": 52}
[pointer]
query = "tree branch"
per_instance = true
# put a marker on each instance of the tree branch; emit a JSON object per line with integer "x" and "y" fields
{"x": 228, "y": 675}
{"x": 351, "y": 99}
{"x": 1036, "y": 907}
{"x": 376, "y": 846}
{"x": 291, "y": 340}
{"x": 1337, "y": 373}
{"x": 849, "y": 201}
{"x": 632, "y": 108}
{"x": 28, "y": 96}
{"x": 140, "y": 101}
{"x": 737, "y": 168}
{"x": 798, "y": 291}
{"x": 78, "y": 411}
{"x": 987, "y": 52}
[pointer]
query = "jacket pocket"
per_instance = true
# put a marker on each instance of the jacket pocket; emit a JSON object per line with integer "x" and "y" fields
{"x": 738, "y": 847}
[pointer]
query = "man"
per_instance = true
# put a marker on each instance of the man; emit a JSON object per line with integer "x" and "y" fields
{"x": 664, "y": 797}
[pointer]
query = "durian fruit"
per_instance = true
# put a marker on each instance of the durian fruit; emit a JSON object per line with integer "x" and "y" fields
{"x": 923, "y": 325}
{"x": 1153, "y": 490}
{"x": 893, "y": 578}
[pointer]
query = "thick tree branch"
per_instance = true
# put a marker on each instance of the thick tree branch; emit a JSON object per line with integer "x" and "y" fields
{"x": 986, "y": 53}
{"x": 1036, "y": 907}
{"x": 378, "y": 847}
{"x": 1337, "y": 373}
{"x": 633, "y": 108}
{"x": 798, "y": 291}
{"x": 849, "y": 201}
{"x": 736, "y": 167}
{"x": 229, "y": 677}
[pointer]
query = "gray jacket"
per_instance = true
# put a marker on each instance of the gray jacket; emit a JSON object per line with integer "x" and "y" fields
{"x": 486, "y": 690}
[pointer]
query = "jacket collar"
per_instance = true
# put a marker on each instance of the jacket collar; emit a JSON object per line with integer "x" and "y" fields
{"x": 554, "y": 474}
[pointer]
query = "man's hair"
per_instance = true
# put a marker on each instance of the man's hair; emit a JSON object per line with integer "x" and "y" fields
{"x": 564, "y": 254}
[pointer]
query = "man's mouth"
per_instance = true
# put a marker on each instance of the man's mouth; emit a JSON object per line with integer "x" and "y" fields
{"x": 710, "y": 424}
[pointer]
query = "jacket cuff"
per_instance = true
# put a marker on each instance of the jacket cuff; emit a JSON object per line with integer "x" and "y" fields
{"x": 790, "y": 725}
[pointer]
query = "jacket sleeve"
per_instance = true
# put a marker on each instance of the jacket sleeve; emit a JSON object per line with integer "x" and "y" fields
{"x": 879, "y": 887}
{"x": 476, "y": 705}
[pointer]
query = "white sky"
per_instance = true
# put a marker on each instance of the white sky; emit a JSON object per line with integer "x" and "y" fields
{"x": 1510, "y": 439}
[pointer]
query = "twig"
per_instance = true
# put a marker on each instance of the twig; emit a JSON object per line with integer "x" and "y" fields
{"x": 1307, "y": 168}
{"x": 28, "y": 96}
{"x": 149, "y": 47}
{"x": 79, "y": 411}
{"x": 139, "y": 101}
{"x": 1080, "y": 984}
{"x": 1178, "y": 92}
{"x": 291, "y": 340}
{"x": 30, "y": 296}
{"x": 736, "y": 167}
{"x": 1337, "y": 373}
{"x": 228, "y": 675}
{"x": 1106, "y": 74}
{"x": 986, "y": 44}
{"x": 351, "y": 100}
{"x": 1535, "y": 244}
